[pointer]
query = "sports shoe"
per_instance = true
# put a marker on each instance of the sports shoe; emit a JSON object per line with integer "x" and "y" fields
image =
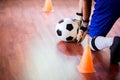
{"x": 115, "y": 51}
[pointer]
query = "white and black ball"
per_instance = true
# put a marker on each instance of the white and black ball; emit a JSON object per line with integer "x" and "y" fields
{"x": 66, "y": 29}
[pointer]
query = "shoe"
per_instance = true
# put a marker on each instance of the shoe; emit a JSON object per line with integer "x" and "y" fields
{"x": 115, "y": 51}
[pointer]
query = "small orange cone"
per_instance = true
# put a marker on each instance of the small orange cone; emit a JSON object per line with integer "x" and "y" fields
{"x": 86, "y": 64}
{"x": 48, "y": 6}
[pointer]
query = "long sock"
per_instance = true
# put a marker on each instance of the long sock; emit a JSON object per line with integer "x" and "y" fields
{"x": 100, "y": 43}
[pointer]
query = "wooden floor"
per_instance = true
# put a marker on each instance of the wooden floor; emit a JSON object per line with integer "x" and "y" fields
{"x": 30, "y": 50}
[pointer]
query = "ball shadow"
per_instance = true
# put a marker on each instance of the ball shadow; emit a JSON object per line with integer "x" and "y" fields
{"x": 70, "y": 48}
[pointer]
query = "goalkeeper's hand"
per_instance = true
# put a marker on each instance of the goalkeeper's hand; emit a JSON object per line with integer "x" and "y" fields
{"x": 83, "y": 27}
{"x": 82, "y": 31}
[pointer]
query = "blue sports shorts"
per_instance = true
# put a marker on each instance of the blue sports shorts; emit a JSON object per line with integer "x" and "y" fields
{"x": 105, "y": 13}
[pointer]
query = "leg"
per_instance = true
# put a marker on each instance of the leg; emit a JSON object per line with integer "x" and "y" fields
{"x": 103, "y": 18}
{"x": 100, "y": 43}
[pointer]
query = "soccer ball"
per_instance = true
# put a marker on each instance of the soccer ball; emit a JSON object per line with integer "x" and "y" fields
{"x": 66, "y": 29}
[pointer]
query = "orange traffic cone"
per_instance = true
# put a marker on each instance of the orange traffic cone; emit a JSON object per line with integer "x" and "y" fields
{"x": 86, "y": 64}
{"x": 48, "y": 6}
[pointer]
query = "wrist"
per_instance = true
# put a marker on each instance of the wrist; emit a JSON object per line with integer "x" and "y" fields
{"x": 85, "y": 23}
{"x": 78, "y": 16}
{"x": 83, "y": 28}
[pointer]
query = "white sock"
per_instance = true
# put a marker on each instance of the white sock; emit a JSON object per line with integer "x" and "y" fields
{"x": 101, "y": 42}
